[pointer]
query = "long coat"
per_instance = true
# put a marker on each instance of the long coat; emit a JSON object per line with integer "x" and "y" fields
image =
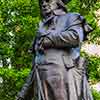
{"x": 61, "y": 72}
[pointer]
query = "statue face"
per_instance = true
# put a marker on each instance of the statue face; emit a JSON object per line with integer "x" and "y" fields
{"x": 48, "y": 6}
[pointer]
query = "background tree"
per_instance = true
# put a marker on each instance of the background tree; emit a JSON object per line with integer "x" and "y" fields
{"x": 18, "y": 22}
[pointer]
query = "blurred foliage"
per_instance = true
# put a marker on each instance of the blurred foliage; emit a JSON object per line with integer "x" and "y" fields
{"x": 96, "y": 95}
{"x": 88, "y": 3}
{"x": 12, "y": 82}
{"x": 93, "y": 69}
{"x": 18, "y": 24}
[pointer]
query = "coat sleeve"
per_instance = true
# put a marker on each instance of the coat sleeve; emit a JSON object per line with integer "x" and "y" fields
{"x": 68, "y": 38}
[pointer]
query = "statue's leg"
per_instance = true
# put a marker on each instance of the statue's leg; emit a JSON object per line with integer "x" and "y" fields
{"x": 57, "y": 85}
{"x": 53, "y": 83}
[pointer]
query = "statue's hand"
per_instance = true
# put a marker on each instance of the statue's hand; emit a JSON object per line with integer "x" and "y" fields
{"x": 47, "y": 41}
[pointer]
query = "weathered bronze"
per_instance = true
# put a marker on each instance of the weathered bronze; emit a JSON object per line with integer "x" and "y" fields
{"x": 58, "y": 73}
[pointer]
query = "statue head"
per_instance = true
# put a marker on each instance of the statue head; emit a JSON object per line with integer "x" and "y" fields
{"x": 50, "y": 6}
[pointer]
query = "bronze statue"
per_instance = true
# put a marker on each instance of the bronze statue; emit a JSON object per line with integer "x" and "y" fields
{"x": 58, "y": 73}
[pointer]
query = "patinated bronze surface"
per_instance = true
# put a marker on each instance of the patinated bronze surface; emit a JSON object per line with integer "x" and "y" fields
{"x": 58, "y": 73}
